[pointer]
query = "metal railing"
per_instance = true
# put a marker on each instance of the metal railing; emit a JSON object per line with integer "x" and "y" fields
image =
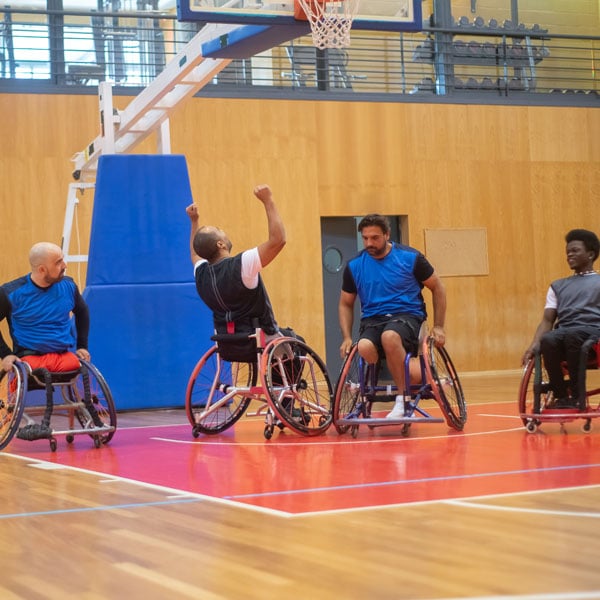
{"x": 73, "y": 51}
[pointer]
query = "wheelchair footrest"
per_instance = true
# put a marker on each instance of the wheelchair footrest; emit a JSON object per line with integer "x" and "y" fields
{"x": 559, "y": 414}
{"x": 35, "y": 431}
{"x": 88, "y": 430}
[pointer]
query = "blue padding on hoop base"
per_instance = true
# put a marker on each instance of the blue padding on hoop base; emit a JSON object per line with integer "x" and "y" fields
{"x": 146, "y": 339}
{"x": 148, "y": 325}
{"x": 249, "y": 40}
{"x": 140, "y": 232}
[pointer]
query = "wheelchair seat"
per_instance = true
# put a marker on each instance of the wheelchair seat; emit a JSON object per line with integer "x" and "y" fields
{"x": 236, "y": 347}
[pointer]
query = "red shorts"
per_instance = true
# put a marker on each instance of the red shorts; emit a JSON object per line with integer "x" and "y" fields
{"x": 55, "y": 362}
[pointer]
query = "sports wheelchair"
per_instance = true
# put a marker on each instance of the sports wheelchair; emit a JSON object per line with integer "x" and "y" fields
{"x": 361, "y": 385}
{"x": 285, "y": 374}
{"x": 85, "y": 401}
{"x": 537, "y": 403}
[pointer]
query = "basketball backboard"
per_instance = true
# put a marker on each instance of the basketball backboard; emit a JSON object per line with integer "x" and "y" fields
{"x": 384, "y": 15}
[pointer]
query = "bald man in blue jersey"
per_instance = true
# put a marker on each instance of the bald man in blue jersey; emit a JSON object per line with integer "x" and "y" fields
{"x": 388, "y": 278}
{"x": 39, "y": 308}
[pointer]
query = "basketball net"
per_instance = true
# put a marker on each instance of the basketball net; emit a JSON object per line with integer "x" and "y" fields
{"x": 330, "y": 20}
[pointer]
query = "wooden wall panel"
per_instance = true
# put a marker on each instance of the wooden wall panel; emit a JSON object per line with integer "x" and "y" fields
{"x": 525, "y": 174}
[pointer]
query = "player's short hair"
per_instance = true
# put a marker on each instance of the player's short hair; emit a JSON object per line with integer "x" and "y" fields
{"x": 589, "y": 239}
{"x": 205, "y": 243}
{"x": 375, "y": 220}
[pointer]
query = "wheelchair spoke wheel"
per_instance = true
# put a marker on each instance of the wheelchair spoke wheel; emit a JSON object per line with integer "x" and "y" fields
{"x": 212, "y": 403}
{"x": 446, "y": 386}
{"x": 12, "y": 392}
{"x": 298, "y": 386}
{"x": 527, "y": 403}
{"x": 347, "y": 391}
{"x": 102, "y": 402}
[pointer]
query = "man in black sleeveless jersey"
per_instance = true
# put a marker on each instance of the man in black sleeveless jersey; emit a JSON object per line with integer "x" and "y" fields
{"x": 231, "y": 286}
{"x": 571, "y": 316}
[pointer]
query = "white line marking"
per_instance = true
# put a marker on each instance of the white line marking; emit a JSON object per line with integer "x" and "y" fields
{"x": 47, "y": 466}
{"x": 272, "y": 444}
{"x": 592, "y": 594}
{"x": 38, "y": 463}
{"x": 561, "y": 513}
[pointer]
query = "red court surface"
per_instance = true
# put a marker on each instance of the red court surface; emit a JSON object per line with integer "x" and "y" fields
{"x": 298, "y": 475}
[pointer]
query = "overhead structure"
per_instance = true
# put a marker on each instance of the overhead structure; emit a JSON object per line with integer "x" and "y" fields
{"x": 201, "y": 59}
{"x": 149, "y": 112}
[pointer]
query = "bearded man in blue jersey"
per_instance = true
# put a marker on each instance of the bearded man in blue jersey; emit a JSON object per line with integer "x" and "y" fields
{"x": 388, "y": 278}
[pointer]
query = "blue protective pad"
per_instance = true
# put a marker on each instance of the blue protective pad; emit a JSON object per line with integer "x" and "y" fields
{"x": 249, "y": 40}
{"x": 146, "y": 339}
{"x": 140, "y": 232}
{"x": 148, "y": 325}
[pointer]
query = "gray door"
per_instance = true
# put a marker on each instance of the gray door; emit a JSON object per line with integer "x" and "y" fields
{"x": 340, "y": 242}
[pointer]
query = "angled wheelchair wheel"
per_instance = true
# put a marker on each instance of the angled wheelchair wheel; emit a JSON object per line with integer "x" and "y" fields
{"x": 102, "y": 402}
{"x": 347, "y": 392}
{"x": 446, "y": 386}
{"x": 13, "y": 386}
{"x": 528, "y": 405}
{"x": 297, "y": 385}
{"x": 212, "y": 400}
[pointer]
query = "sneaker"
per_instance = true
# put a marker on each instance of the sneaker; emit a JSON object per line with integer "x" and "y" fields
{"x": 397, "y": 412}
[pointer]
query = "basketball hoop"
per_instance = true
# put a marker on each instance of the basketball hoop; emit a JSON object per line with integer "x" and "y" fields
{"x": 330, "y": 20}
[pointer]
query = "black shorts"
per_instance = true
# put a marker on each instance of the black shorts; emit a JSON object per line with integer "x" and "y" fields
{"x": 407, "y": 326}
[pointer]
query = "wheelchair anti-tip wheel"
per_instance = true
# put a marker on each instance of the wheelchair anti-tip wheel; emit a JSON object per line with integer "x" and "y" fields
{"x": 298, "y": 386}
{"x": 12, "y": 392}
{"x": 211, "y": 402}
{"x": 446, "y": 386}
{"x": 102, "y": 401}
{"x": 347, "y": 392}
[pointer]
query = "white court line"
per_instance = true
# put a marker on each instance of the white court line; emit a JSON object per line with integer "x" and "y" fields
{"x": 499, "y": 416}
{"x": 171, "y": 492}
{"x": 591, "y": 595}
{"x": 537, "y": 511}
{"x": 391, "y": 440}
{"x": 467, "y": 501}
{"x": 184, "y": 495}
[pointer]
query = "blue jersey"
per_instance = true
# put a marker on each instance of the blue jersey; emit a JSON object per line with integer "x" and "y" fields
{"x": 389, "y": 285}
{"x": 40, "y": 319}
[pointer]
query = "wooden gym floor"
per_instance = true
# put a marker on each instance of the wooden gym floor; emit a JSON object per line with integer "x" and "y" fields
{"x": 492, "y": 512}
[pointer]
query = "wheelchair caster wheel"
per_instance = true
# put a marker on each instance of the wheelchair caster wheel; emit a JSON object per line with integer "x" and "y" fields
{"x": 268, "y": 432}
{"x": 195, "y": 432}
{"x": 70, "y": 438}
{"x": 53, "y": 444}
{"x": 354, "y": 431}
{"x": 405, "y": 430}
{"x": 587, "y": 426}
{"x": 531, "y": 426}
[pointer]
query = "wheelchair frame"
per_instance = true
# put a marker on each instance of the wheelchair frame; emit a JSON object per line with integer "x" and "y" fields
{"x": 78, "y": 410}
{"x": 358, "y": 388}
{"x": 287, "y": 376}
{"x": 535, "y": 396}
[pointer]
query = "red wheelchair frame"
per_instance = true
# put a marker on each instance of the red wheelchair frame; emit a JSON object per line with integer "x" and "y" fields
{"x": 536, "y": 398}
{"x": 285, "y": 375}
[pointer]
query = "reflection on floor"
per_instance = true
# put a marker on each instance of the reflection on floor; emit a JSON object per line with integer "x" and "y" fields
{"x": 296, "y": 475}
